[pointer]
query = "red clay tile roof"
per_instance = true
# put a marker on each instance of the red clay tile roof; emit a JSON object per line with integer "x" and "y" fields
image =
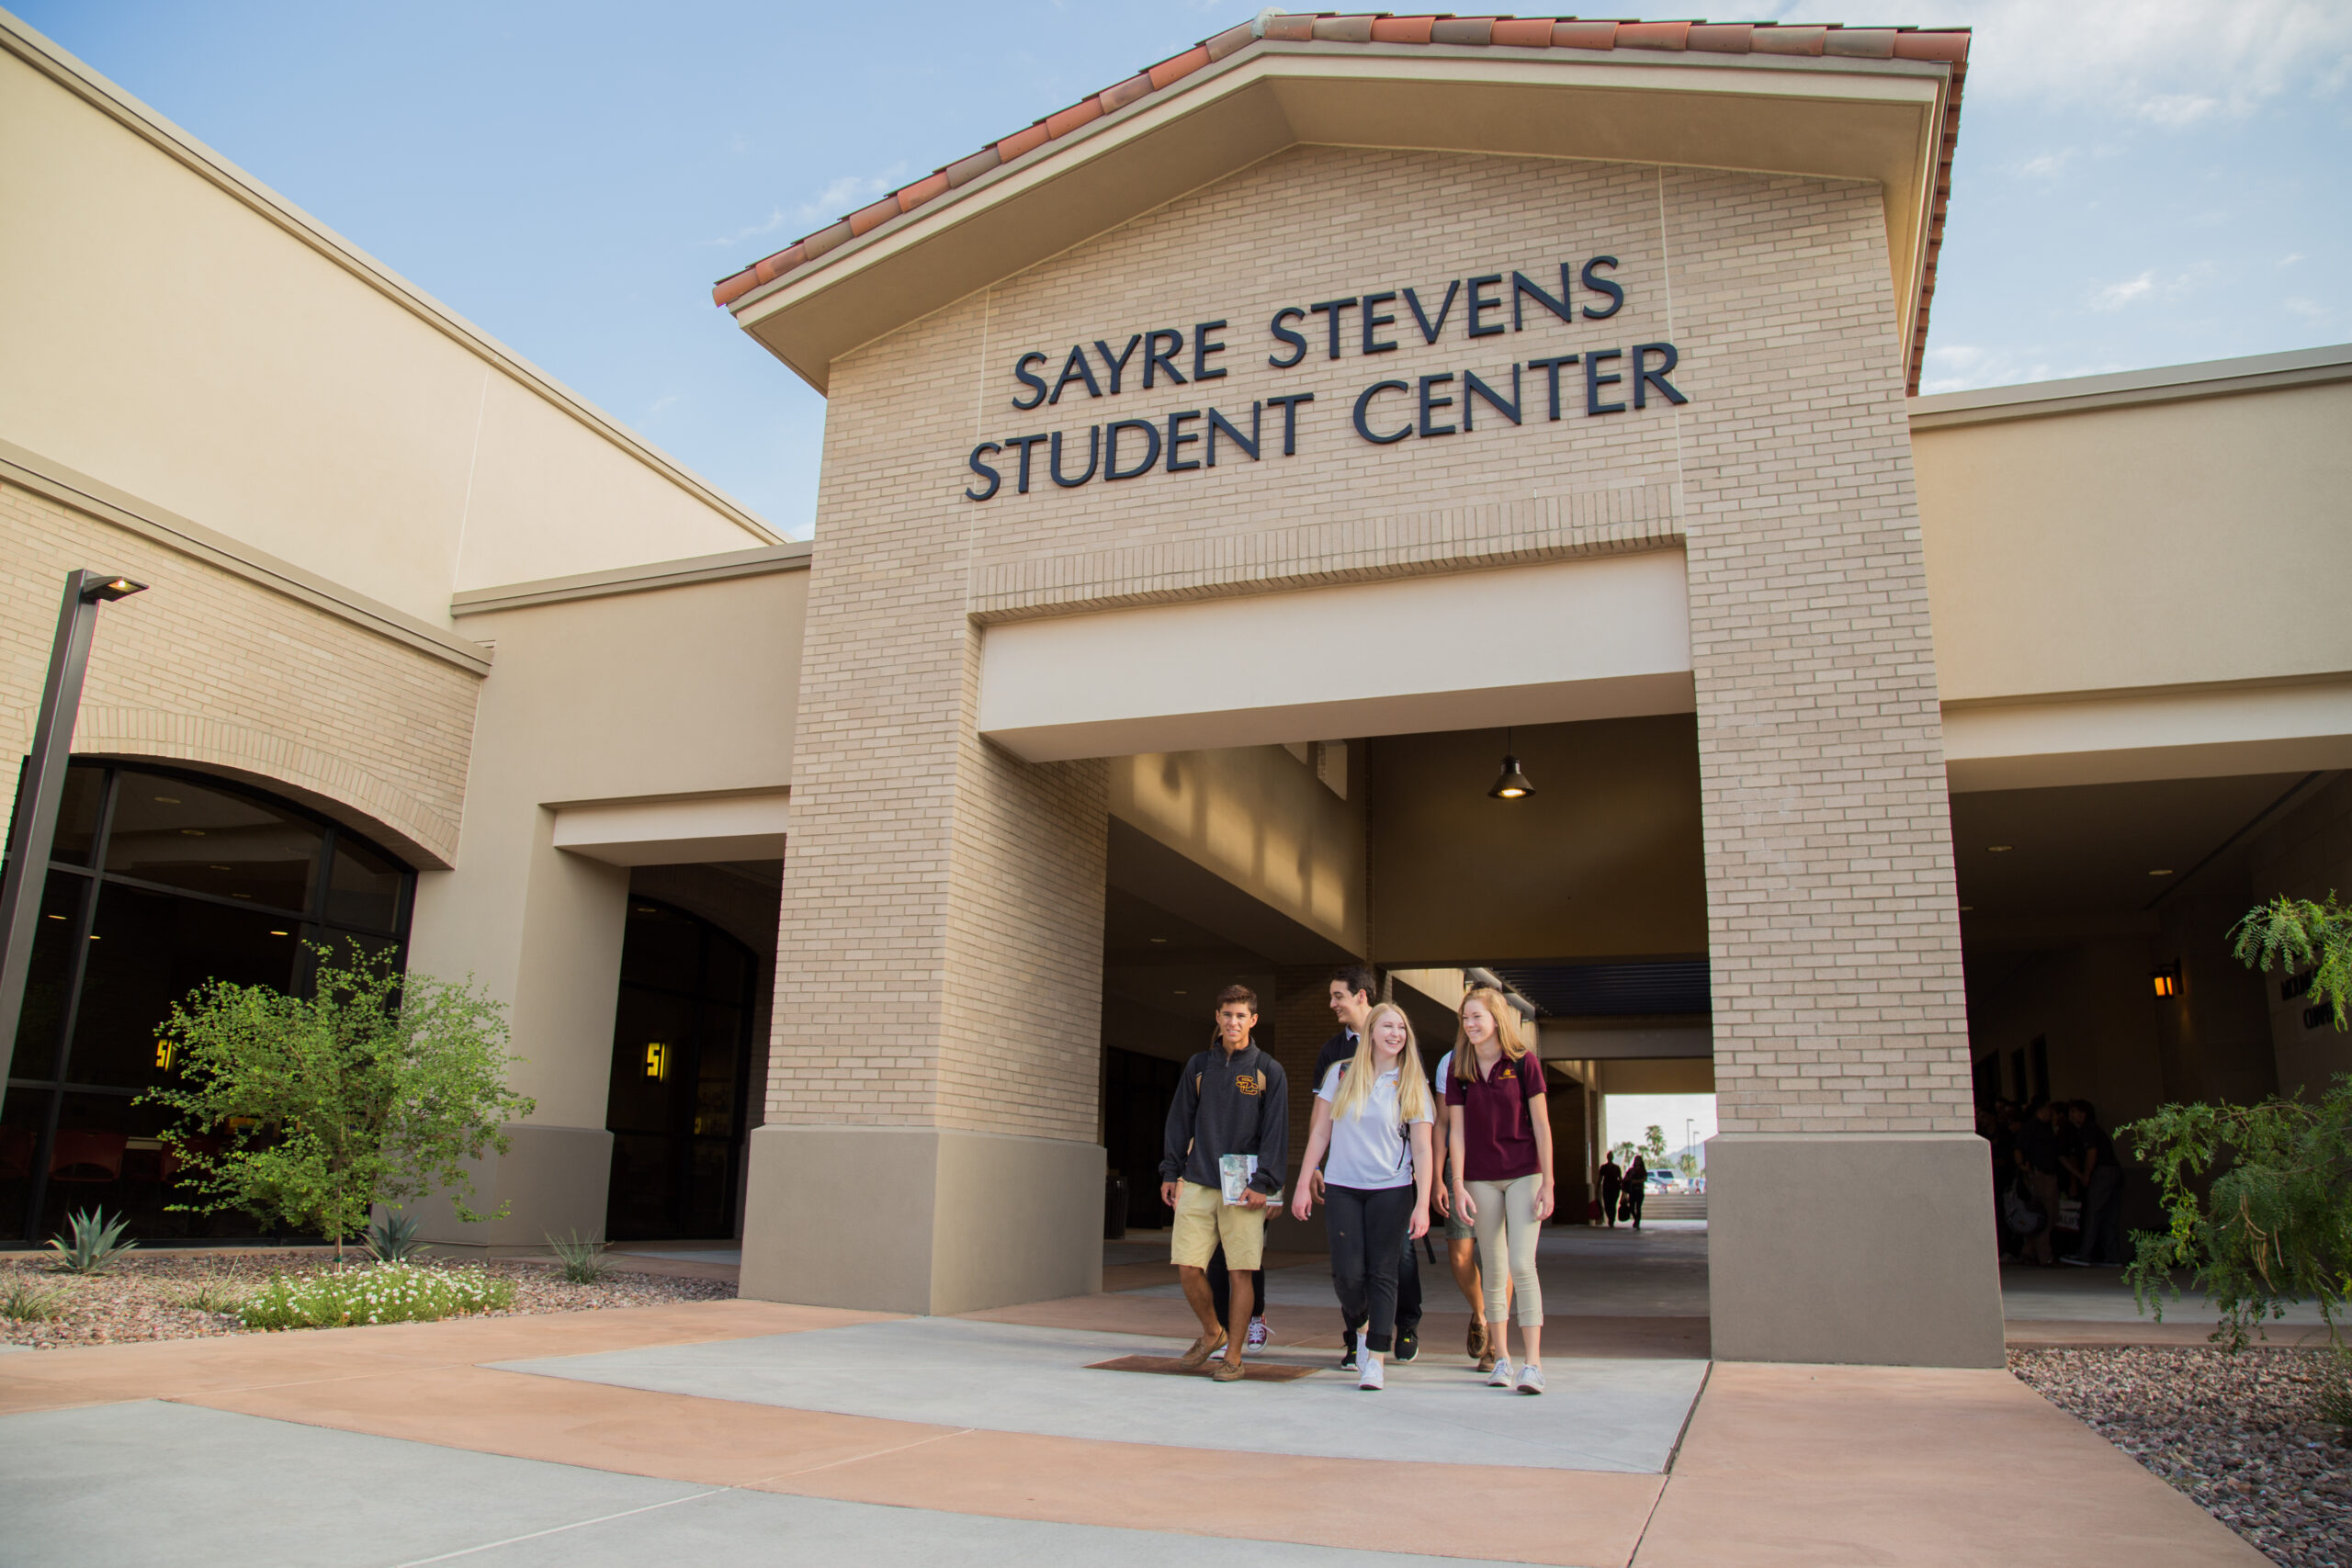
{"x": 1834, "y": 40}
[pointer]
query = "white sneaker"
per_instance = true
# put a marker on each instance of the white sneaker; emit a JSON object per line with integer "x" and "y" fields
{"x": 1368, "y": 1375}
{"x": 1257, "y": 1337}
{"x": 1500, "y": 1376}
{"x": 1531, "y": 1378}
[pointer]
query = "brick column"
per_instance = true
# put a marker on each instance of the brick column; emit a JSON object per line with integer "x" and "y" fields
{"x": 1852, "y": 1221}
{"x": 931, "y": 1099}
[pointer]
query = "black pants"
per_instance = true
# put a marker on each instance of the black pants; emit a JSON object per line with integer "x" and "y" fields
{"x": 1633, "y": 1196}
{"x": 1610, "y": 1193}
{"x": 1408, "y": 1292}
{"x": 1367, "y": 1227}
{"x": 1221, "y": 1291}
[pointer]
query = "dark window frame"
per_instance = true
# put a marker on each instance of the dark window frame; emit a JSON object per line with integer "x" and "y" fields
{"x": 312, "y": 925}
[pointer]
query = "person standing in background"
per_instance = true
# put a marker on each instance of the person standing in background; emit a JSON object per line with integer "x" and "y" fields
{"x": 1612, "y": 1183}
{"x": 2037, "y": 1154}
{"x": 2101, "y": 1242}
{"x": 1638, "y": 1187}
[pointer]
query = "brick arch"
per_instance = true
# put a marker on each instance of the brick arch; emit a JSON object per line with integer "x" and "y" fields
{"x": 310, "y": 775}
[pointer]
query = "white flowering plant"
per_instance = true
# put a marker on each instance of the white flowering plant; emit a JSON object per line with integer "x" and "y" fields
{"x": 381, "y": 1292}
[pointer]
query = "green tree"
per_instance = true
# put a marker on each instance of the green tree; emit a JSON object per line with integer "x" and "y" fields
{"x": 1687, "y": 1163}
{"x": 1654, "y": 1145}
{"x": 2272, "y": 1227}
{"x": 2258, "y": 1197}
{"x": 2296, "y": 934}
{"x": 375, "y": 1088}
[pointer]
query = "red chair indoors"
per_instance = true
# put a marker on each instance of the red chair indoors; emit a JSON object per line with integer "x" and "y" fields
{"x": 83, "y": 1155}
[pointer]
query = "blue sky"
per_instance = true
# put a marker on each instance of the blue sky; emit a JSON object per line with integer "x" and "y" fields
{"x": 2140, "y": 182}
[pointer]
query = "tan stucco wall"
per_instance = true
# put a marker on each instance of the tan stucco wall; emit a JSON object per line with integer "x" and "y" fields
{"x": 208, "y": 670}
{"x": 679, "y": 691}
{"x": 174, "y": 331}
{"x": 1259, "y": 817}
{"x": 2153, "y": 544}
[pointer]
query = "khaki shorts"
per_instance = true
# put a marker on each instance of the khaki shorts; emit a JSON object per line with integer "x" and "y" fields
{"x": 1203, "y": 1220}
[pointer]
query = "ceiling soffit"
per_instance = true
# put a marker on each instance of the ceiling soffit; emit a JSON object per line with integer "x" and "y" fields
{"x": 1872, "y": 120}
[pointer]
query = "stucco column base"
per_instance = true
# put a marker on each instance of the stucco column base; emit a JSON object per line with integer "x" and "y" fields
{"x": 553, "y": 1181}
{"x": 919, "y": 1219}
{"x": 1871, "y": 1249}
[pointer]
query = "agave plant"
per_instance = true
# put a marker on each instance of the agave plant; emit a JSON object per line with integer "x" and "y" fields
{"x": 92, "y": 1242}
{"x": 392, "y": 1239}
{"x": 583, "y": 1260}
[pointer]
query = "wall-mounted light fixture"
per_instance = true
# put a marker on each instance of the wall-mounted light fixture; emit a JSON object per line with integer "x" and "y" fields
{"x": 2166, "y": 978}
{"x": 657, "y": 1060}
{"x": 163, "y": 1052}
{"x": 1511, "y": 784}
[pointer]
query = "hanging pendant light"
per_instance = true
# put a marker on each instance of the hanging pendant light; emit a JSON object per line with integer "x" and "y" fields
{"x": 1510, "y": 784}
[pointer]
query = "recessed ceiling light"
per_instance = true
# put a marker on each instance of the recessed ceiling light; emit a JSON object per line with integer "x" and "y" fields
{"x": 2166, "y": 871}
{"x": 1180, "y": 993}
{"x": 2000, "y": 849}
{"x": 56, "y": 917}
{"x": 1162, "y": 938}
{"x": 192, "y": 832}
{"x": 167, "y": 800}
{"x": 1968, "y": 909}
{"x": 278, "y": 934}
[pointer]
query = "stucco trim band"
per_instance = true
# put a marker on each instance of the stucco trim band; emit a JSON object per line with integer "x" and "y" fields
{"x": 107, "y": 504}
{"x": 791, "y": 555}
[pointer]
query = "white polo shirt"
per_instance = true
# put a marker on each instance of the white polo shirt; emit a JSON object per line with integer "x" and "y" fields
{"x": 1371, "y": 1149}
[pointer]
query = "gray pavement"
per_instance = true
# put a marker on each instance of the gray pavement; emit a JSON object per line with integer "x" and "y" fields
{"x": 1620, "y": 1415}
{"x": 149, "y": 1482}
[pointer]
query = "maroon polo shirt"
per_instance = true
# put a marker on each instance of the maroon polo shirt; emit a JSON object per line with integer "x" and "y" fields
{"x": 1498, "y": 1123}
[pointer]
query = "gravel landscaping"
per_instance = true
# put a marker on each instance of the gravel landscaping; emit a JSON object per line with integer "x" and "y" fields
{"x": 2240, "y": 1434}
{"x": 160, "y": 1295}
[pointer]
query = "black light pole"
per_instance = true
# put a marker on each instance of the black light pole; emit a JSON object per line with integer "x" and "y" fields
{"x": 34, "y": 829}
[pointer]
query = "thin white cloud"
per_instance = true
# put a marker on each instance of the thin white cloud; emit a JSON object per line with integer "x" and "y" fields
{"x": 1964, "y": 367}
{"x": 2311, "y": 310}
{"x": 768, "y": 225}
{"x": 2170, "y": 62}
{"x": 2291, "y": 259}
{"x": 849, "y": 193}
{"x": 2131, "y": 291}
{"x": 2047, "y": 166}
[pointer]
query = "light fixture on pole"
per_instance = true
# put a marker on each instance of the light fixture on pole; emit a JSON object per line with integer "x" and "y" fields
{"x": 42, "y": 792}
{"x": 1510, "y": 784}
{"x": 2167, "y": 980}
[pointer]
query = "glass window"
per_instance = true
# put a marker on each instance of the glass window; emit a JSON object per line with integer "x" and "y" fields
{"x": 661, "y": 948}
{"x": 149, "y": 950}
{"x": 363, "y": 888}
{"x": 183, "y": 835}
{"x": 43, "y": 1023}
{"x": 23, "y": 1118}
{"x": 653, "y": 1076}
{"x": 77, "y": 817}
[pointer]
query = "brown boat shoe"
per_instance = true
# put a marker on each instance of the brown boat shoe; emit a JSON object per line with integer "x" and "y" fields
{"x": 1202, "y": 1348}
{"x": 1228, "y": 1370}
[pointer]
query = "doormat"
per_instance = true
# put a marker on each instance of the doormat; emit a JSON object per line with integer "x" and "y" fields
{"x": 1251, "y": 1371}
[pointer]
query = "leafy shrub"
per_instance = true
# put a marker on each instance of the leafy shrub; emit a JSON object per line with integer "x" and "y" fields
{"x": 217, "y": 1296}
{"x": 392, "y": 1239}
{"x": 2335, "y": 1400}
{"x": 583, "y": 1261}
{"x": 380, "y": 1292}
{"x": 92, "y": 1242}
{"x": 29, "y": 1303}
{"x": 380, "y": 1088}
{"x": 2271, "y": 1227}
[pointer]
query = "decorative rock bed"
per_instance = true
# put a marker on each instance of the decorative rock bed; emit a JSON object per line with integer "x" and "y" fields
{"x": 154, "y": 1295}
{"x": 2240, "y": 1434}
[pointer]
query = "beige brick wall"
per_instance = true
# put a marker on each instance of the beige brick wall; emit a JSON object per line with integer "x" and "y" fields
{"x": 942, "y": 902}
{"x": 211, "y": 669}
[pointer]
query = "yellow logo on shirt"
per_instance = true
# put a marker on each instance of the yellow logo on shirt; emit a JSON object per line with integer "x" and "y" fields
{"x": 1250, "y": 1083}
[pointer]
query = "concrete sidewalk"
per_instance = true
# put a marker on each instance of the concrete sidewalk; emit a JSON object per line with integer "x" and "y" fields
{"x": 413, "y": 1444}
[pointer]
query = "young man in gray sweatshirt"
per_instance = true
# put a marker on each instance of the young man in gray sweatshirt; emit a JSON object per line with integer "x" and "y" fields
{"x": 1232, "y": 1099}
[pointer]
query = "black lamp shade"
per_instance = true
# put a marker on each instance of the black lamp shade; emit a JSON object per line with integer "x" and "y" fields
{"x": 1512, "y": 784}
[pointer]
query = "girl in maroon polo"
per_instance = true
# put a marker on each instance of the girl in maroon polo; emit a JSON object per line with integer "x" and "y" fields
{"x": 1501, "y": 1139}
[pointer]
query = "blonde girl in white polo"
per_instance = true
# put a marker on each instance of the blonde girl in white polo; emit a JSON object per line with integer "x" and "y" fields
{"x": 1375, "y": 1114}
